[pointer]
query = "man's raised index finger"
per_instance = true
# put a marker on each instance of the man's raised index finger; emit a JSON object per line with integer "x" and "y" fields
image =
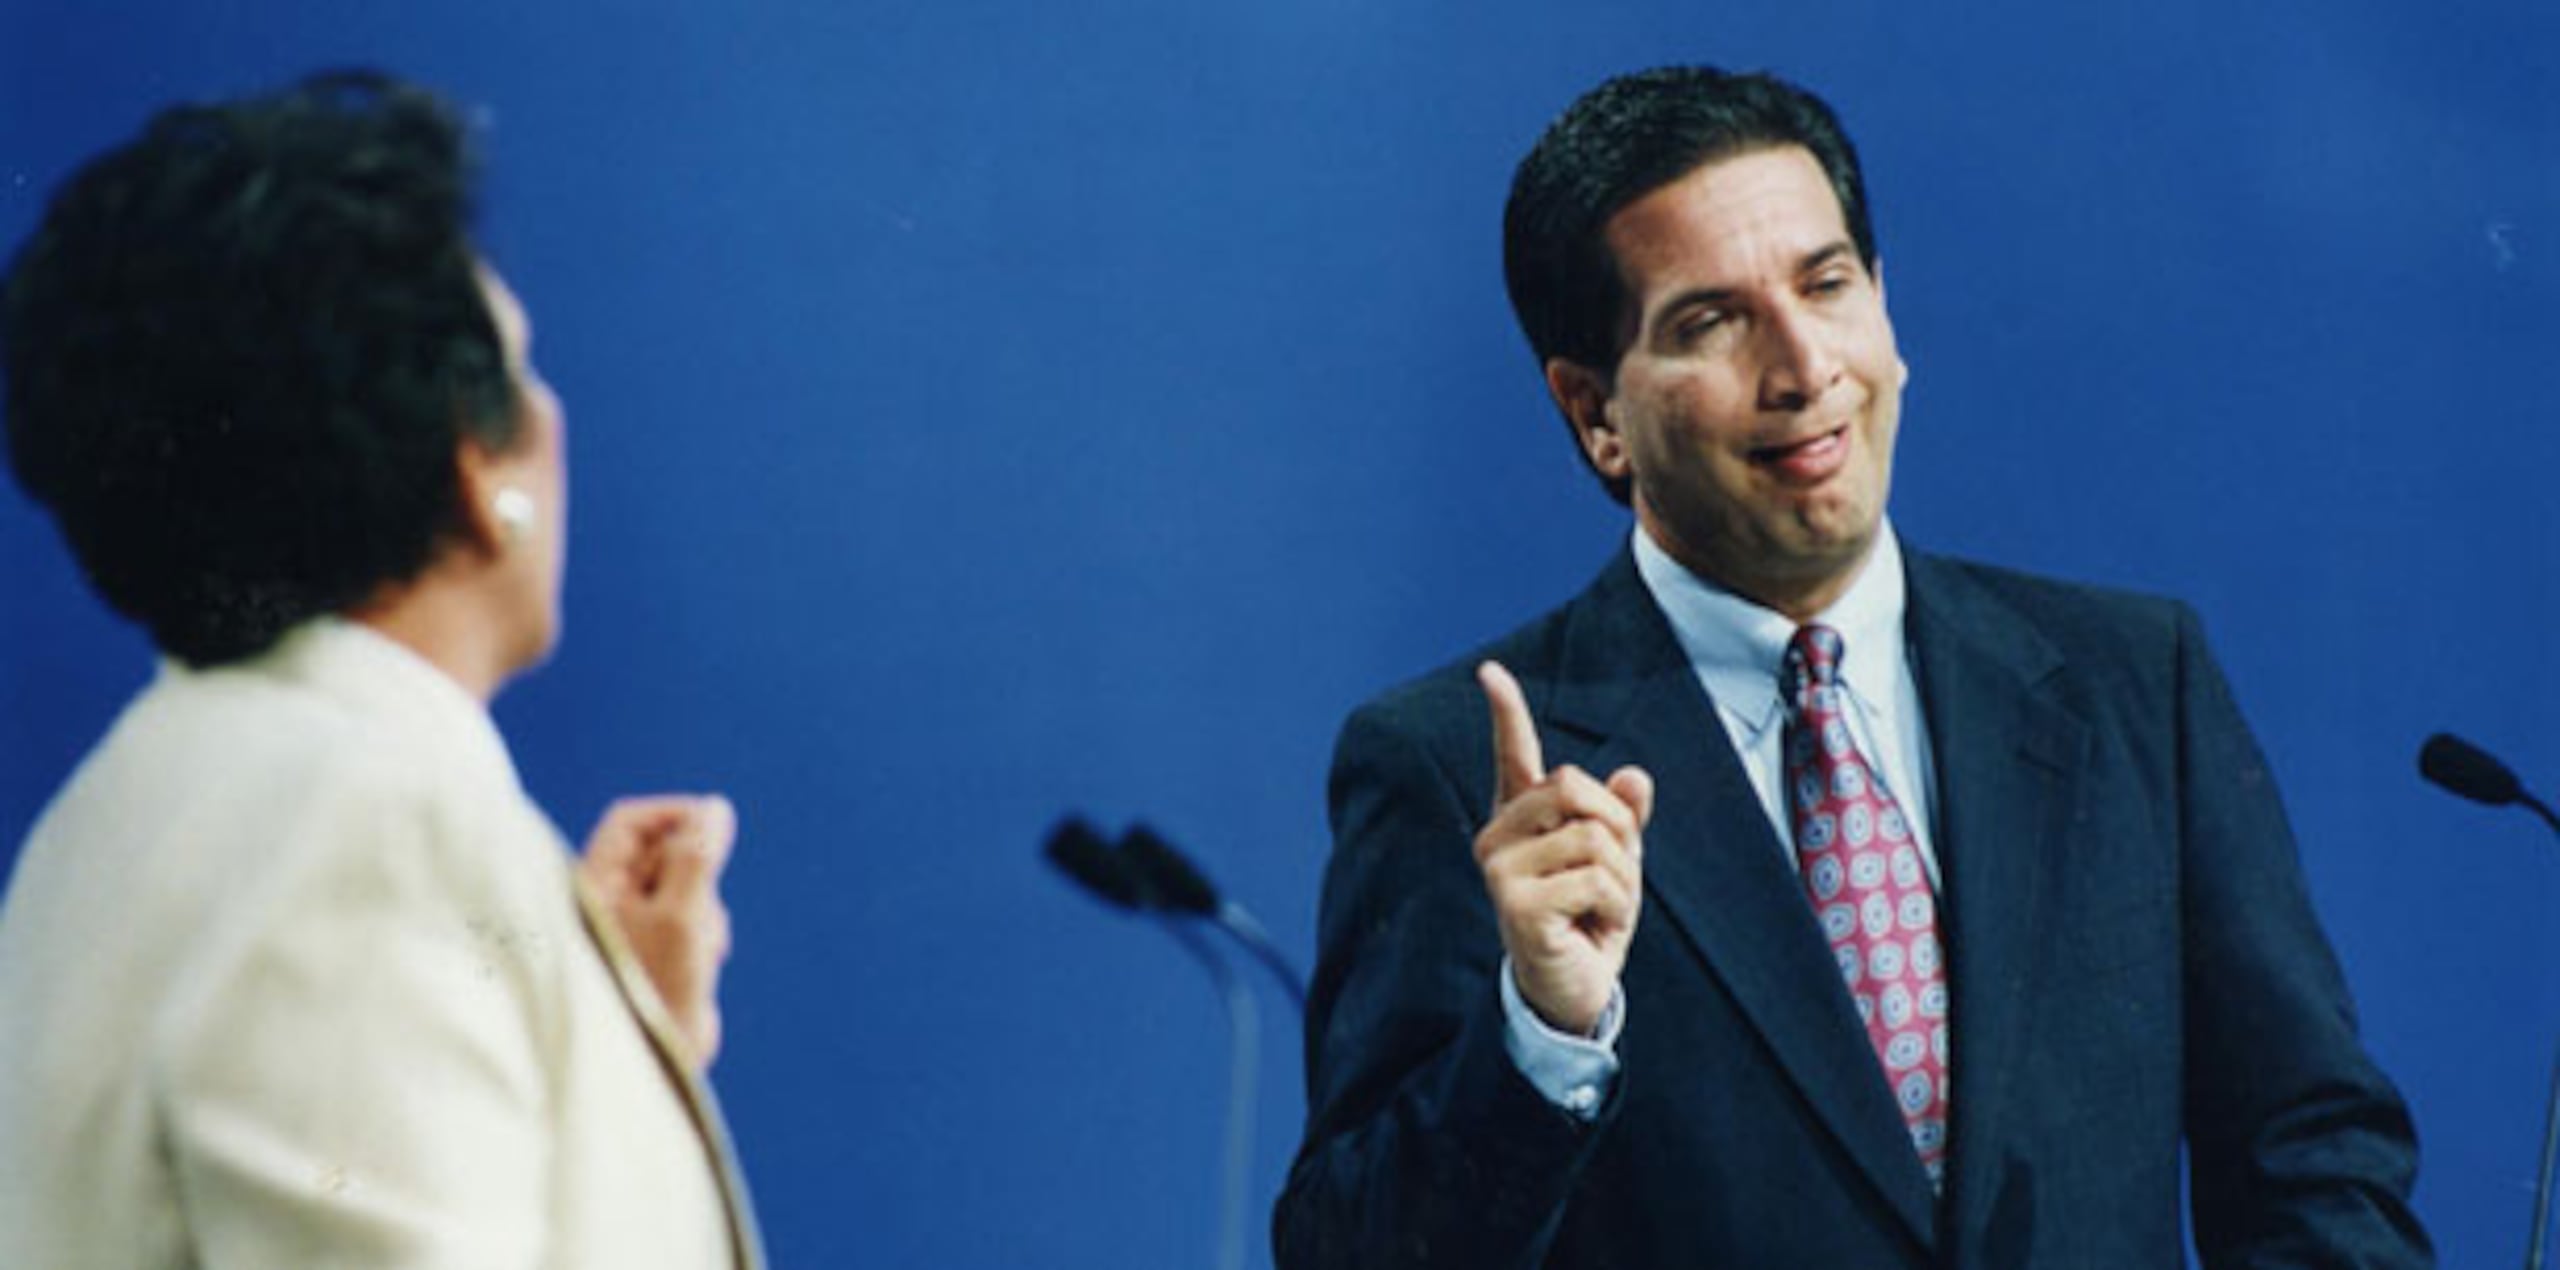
{"x": 1518, "y": 762}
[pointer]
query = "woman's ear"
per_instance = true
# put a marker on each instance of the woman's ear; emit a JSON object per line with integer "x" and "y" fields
{"x": 497, "y": 512}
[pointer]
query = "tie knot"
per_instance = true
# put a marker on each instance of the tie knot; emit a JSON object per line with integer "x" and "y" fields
{"x": 1813, "y": 660}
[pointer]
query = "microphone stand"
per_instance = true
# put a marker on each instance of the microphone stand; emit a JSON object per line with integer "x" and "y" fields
{"x": 2466, "y": 770}
{"x": 2542, "y": 1179}
{"x": 1244, "y": 1049}
{"x": 1145, "y": 874}
{"x": 1241, "y": 926}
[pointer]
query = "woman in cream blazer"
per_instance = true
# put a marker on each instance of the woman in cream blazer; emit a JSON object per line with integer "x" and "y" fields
{"x": 292, "y": 971}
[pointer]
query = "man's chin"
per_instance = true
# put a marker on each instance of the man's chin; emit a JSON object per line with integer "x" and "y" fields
{"x": 1813, "y": 553}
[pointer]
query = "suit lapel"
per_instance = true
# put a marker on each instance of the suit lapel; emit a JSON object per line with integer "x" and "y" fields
{"x": 628, "y": 976}
{"x": 2007, "y": 756}
{"x": 1717, "y": 877}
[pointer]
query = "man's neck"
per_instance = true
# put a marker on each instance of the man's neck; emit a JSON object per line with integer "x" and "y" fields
{"x": 1798, "y": 600}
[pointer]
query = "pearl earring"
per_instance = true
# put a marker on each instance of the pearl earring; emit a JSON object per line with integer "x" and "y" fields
{"x": 513, "y": 509}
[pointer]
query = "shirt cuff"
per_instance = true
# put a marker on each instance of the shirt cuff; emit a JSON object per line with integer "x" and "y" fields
{"x": 1574, "y": 1073}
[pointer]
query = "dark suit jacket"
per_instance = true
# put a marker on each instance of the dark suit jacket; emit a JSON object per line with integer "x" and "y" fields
{"x": 2133, "y": 961}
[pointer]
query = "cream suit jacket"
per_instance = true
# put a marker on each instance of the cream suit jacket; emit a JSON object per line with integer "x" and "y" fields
{"x": 293, "y": 974}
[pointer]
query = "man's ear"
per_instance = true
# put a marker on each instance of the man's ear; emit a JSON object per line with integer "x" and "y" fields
{"x": 1901, "y": 367}
{"x": 1583, "y": 395}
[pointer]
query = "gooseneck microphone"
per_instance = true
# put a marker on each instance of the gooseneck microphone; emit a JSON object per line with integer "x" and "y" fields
{"x": 1082, "y": 855}
{"x": 1181, "y": 887}
{"x": 2474, "y": 773}
{"x": 1146, "y": 875}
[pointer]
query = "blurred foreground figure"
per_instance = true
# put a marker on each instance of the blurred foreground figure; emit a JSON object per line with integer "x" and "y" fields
{"x": 292, "y": 971}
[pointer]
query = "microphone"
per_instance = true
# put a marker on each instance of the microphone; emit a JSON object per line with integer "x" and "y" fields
{"x": 1180, "y": 887}
{"x": 1177, "y": 885}
{"x": 2474, "y": 773}
{"x": 2467, "y": 770}
{"x": 1081, "y": 854}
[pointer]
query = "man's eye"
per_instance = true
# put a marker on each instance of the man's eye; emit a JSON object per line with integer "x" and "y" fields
{"x": 1700, "y": 326}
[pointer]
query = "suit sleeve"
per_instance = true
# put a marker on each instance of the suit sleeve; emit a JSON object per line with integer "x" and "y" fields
{"x": 1425, "y": 1146}
{"x": 2300, "y": 1151}
{"x": 357, "y": 1079}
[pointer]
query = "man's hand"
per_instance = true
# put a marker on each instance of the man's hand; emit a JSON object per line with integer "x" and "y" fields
{"x": 1563, "y": 860}
{"x": 656, "y": 863}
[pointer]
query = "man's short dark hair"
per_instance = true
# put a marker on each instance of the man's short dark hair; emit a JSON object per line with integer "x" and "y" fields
{"x": 240, "y": 353}
{"x": 1619, "y": 142}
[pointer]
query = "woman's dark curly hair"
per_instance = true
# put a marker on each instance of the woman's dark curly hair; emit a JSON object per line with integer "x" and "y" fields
{"x": 239, "y": 353}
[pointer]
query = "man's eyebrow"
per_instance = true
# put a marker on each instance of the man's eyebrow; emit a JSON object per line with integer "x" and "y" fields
{"x": 1824, "y": 255}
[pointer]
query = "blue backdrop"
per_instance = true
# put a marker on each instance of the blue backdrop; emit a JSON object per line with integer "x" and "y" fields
{"x": 985, "y": 409}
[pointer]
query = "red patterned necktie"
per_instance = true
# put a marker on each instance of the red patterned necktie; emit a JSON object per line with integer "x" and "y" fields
{"x": 1862, "y": 870}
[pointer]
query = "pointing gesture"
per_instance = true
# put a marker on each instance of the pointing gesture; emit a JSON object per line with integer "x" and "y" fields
{"x": 1562, "y": 858}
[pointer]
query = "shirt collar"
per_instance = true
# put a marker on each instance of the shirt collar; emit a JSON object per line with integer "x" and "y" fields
{"x": 1737, "y": 646}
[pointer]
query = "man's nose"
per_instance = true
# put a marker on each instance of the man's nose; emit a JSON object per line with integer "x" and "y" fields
{"x": 1798, "y": 362}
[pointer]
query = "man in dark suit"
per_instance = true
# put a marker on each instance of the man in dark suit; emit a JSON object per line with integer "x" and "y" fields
{"x": 1966, "y": 898}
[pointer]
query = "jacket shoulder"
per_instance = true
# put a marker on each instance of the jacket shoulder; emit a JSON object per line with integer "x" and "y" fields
{"x": 2079, "y": 617}
{"x": 1445, "y": 701}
